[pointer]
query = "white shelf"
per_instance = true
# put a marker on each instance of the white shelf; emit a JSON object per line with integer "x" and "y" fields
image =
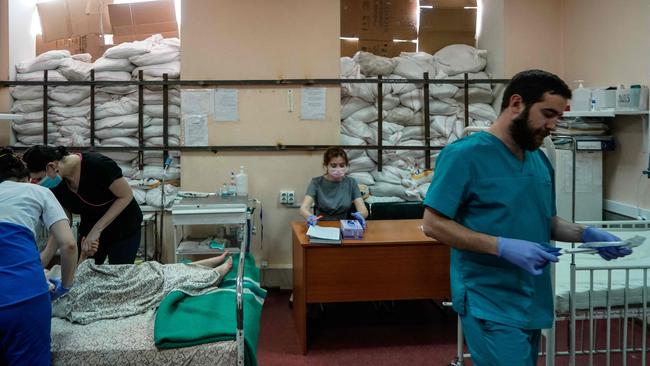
{"x": 605, "y": 113}
{"x": 194, "y": 247}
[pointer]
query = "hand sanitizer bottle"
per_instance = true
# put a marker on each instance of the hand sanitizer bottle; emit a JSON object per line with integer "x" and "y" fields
{"x": 242, "y": 182}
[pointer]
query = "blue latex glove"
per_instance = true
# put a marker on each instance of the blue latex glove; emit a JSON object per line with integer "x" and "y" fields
{"x": 526, "y": 255}
{"x": 59, "y": 290}
{"x": 592, "y": 234}
{"x": 359, "y": 217}
{"x": 312, "y": 220}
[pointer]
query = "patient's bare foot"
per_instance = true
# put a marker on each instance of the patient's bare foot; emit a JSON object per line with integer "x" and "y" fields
{"x": 225, "y": 267}
{"x": 214, "y": 261}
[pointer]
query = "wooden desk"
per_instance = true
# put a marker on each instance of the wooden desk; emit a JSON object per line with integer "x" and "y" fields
{"x": 393, "y": 261}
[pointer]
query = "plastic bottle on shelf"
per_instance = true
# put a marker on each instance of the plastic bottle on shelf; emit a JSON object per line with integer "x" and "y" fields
{"x": 232, "y": 188}
{"x": 581, "y": 100}
{"x": 242, "y": 182}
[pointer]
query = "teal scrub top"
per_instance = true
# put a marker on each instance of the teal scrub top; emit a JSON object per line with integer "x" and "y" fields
{"x": 479, "y": 183}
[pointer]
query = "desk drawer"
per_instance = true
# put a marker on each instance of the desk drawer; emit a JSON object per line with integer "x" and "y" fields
{"x": 382, "y": 272}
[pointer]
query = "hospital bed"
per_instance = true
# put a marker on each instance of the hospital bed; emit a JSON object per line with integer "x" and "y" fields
{"x": 130, "y": 341}
{"x": 601, "y": 306}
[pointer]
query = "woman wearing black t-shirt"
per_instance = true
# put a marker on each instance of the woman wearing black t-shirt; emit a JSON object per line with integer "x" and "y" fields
{"x": 91, "y": 185}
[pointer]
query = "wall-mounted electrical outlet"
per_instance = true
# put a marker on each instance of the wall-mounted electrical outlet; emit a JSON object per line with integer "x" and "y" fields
{"x": 287, "y": 197}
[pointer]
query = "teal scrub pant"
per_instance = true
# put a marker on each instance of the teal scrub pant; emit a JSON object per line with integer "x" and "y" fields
{"x": 495, "y": 344}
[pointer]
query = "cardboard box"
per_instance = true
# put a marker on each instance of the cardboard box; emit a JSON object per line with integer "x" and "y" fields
{"x": 431, "y": 42}
{"x": 91, "y": 43}
{"x": 63, "y": 19}
{"x": 448, "y": 3}
{"x": 379, "y": 19}
{"x": 448, "y": 20}
{"x": 137, "y": 21}
{"x": 386, "y": 48}
{"x": 349, "y": 47}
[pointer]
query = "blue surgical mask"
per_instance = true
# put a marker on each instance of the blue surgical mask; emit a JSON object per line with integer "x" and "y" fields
{"x": 48, "y": 182}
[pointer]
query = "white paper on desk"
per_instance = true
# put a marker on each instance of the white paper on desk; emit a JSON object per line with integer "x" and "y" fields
{"x": 195, "y": 129}
{"x": 320, "y": 232}
{"x": 197, "y": 101}
{"x": 226, "y": 105}
{"x": 313, "y": 103}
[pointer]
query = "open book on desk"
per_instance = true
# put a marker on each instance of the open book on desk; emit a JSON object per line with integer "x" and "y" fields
{"x": 324, "y": 235}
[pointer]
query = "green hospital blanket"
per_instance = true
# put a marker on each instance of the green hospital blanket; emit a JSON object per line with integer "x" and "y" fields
{"x": 183, "y": 320}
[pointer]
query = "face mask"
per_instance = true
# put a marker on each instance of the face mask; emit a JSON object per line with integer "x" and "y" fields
{"x": 337, "y": 172}
{"x": 48, "y": 182}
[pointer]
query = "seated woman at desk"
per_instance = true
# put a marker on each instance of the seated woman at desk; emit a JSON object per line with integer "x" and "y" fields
{"x": 330, "y": 196}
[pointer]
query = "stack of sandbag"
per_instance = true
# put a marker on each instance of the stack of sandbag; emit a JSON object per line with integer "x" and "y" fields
{"x": 28, "y": 100}
{"x": 402, "y": 112}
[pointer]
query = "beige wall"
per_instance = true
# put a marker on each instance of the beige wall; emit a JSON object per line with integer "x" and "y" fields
{"x": 533, "y": 36}
{"x": 263, "y": 40}
{"x": 522, "y": 34}
{"x": 608, "y": 43}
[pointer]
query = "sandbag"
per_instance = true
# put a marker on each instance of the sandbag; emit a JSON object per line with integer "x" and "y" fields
{"x": 460, "y": 58}
{"x": 373, "y": 65}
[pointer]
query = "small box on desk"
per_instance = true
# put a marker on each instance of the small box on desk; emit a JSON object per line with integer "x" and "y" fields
{"x": 351, "y": 229}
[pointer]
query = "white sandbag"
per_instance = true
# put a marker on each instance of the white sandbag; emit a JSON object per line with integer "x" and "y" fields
{"x": 33, "y": 128}
{"x": 446, "y": 125}
{"x": 352, "y": 141}
{"x": 476, "y": 95}
{"x": 172, "y": 69}
{"x": 349, "y": 68}
{"x": 460, "y": 58}
{"x": 74, "y": 140}
{"x": 413, "y": 65}
{"x": 442, "y": 90}
{"x": 170, "y": 121}
{"x": 158, "y": 54}
{"x": 158, "y": 161}
{"x": 157, "y": 131}
{"x": 361, "y": 164}
{"x": 391, "y": 175}
{"x": 75, "y": 70}
{"x": 107, "y": 133}
{"x": 498, "y": 97}
{"x": 27, "y": 92}
{"x": 356, "y": 128}
{"x": 126, "y": 121}
{"x": 413, "y": 99}
{"x": 372, "y": 65}
{"x": 156, "y": 172}
{"x": 74, "y": 130}
{"x": 390, "y": 101}
{"x": 402, "y": 155}
{"x": 401, "y": 88}
{"x": 113, "y": 64}
{"x": 117, "y": 107}
{"x": 122, "y": 156}
{"x": 121, "y": 141}
{"x": 118, "y": 89}
{"x": 67, "y": 112}
{"x": 156, "y": 97}
{"x": 33, "y": 116}
{"x": 482, "y": 111}
{"x": 69, "y": 94}
{"x": 350, "y": 105}
{"x": 49, "y": 60}
{"x": 37, "y": 139}
{"x": 52, "y": 75}
{"x": 388, "y": 128}
{"x": 130, "y": 49}
{"x": 363, "y": 178}
{"x": 171, "y": 42}
{"x": 444, "y": 107}
{"x": 367, "y": 114}
{"x": 154, "y": 196}
{"x": 400, "y": 114}
{"x": 83, "y": 57}
{"x": 155, "y": 110}
{"x": 112, "y": 76}
{"x": 27, "y": 106}
{"x": 474, "y": 76}
{"x": 383, "y": 189}
{"x": 158, "y": 141}
{"x": 74, "y": 121}
{"x": 128, "y": 170}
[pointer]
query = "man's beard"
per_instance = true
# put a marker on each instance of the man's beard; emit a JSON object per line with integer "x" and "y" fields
{"x": 521, "y": 132}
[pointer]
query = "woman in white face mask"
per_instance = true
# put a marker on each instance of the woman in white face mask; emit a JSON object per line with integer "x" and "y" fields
{"x": 331, "y": 195}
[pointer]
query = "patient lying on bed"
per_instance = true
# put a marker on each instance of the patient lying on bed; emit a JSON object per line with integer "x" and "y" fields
{"x": 115, "y": 291}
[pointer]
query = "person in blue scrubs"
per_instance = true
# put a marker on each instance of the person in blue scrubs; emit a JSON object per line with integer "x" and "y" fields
{"x": 492, "y": 200}
{"x": 25, "y": 299}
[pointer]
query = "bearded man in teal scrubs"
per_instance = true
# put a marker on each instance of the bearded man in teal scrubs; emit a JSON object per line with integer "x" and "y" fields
{"x": 492, "y": 199}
